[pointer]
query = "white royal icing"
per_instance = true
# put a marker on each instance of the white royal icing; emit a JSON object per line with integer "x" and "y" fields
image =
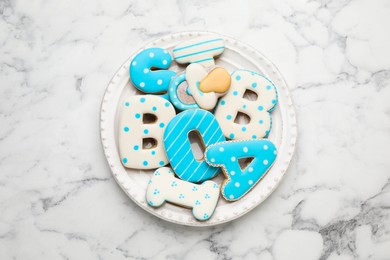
{"x": 200, "y": 50}
{"x": 258, "y": 110}
{"x": 163, "y": 186}
{"x": 195, "y": 73}
{"x": 132, "y": 131}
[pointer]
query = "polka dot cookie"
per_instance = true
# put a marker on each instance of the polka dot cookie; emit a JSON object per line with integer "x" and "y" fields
{"x": 258, "y": 110}
{"x": 141, "y": 141}
{"x": 148, "y": 71}
{"x": 226, "y": 154}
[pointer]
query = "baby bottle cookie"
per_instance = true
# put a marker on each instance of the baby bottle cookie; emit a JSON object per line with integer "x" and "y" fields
{"x": 200, "y": 50}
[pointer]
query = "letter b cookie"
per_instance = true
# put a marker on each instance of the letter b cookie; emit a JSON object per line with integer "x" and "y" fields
{"x": 135, "y": 133}
{"x": 258, "y": 110}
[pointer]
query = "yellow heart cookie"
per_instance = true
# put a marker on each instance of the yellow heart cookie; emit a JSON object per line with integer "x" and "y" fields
{"x": 218, "y": 80}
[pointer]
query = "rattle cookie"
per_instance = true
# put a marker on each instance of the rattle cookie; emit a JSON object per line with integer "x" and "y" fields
{"x": 206, "y": 87}
{"x": 200, "y": 50}
{"x": 135, "y": 132}
{"x": 226, "y": 154}
{"x": 178, "y": 93}
{"x": 178, "y": 147}
{"x": 258, "y": 110}
{"x": 143, "y": 71}
{"x": 163, "y": 186}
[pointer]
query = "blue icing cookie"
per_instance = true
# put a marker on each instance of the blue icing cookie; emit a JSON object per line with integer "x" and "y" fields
{"x": 152, "y": 81}
{"x": 178, "y": 147}
{"x": 174, "y": 95}
{"x": 226, "y": 155}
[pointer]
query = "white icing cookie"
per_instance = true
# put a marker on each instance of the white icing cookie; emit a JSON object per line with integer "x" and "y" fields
{"x": 199, "y": 78}
{"x": 133, "y": 132}
{"x": 258, "y": 110}
{"x": 163, "y": 186}
{"x": 200, "y": 50}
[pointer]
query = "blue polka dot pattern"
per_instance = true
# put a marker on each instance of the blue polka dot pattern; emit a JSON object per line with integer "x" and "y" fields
{"x": 127, "y": 104}
{"x": 142, "y": 100}
{"x": 257, "y": 109}
{"x": 124, "y": 160}
{"x": 146, "y": 131}
{"x": 225, "y": 154}
{"x": 238, "y": 77}
{"x": 137, "y": 115}
{"x": 145, "y": 163}
{"x": 152, "y": 81}
{"x": 228, "y": 117}
{"x": 126, "y": 129}
{"x": 162, "y": 125}
{"x": 136, "y": 147}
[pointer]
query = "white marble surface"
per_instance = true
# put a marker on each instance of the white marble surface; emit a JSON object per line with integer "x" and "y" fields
{"x": 58, "y": 199}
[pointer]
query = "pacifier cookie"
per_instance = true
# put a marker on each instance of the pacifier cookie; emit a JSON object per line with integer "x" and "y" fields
{"x": 135, "y": 131}
{"x": 164, "y": 186}
{"x": 206, "y": 87}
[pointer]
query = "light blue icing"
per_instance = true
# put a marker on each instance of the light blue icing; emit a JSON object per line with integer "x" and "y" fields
{"x": 226, "y": 155}
{"x": 197, "y": 49}
{"x": 175, "y": 83}
{"x": 178, "y": 148}
{"x": 152, "y": 81}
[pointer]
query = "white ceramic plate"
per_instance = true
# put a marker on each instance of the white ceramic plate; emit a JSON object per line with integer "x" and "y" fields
{"x": 284, "y": 133}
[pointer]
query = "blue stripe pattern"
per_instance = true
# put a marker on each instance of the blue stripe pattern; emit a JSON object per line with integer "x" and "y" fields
{"x": 178, "y": 147}
{"x": 199, "y": 52}
{"x": 197, "y": 44}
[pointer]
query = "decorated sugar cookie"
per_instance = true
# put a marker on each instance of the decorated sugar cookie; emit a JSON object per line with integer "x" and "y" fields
{"x": 226, "y": 155}
{"x": 206, "y": 87}
{"x": 148, "y": 71}
{"x": 178, "y": 148}
{"x": 163, "y": 186}
{"x": 258, "y": 110}
{"x": 200, "y": 50}
{"x": 179, "y": 93}
{"x": 134, "y": 133}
